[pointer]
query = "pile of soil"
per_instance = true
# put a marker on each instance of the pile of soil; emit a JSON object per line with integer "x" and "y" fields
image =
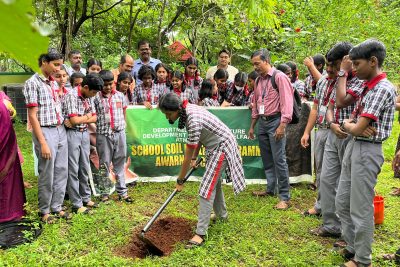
{"x": 164, "y": 234}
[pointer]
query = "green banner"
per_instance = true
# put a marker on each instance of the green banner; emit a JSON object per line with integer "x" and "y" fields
{"x": 157, "y": 148}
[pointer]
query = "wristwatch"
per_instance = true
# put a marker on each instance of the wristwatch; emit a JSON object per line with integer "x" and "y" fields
{"x": 342, "y": 73}
{"x": 329, "y": 124}
{"x": 180, "y": 181}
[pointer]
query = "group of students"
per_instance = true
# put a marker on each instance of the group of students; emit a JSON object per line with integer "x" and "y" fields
{"x": 353, "y": 113}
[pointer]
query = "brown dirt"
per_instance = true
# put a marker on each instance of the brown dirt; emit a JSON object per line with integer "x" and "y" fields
{"x": 164, "y": 234}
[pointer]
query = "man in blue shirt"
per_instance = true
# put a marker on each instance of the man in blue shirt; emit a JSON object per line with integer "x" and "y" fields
{"x": 144, "y": 51}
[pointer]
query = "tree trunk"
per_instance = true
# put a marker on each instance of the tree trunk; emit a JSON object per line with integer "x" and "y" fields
{"x": 159, "y": 29}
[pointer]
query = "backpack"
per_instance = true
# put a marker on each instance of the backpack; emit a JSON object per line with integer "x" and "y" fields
{"x": 296, "y": 99}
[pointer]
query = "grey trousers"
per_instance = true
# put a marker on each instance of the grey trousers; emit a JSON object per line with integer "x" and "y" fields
{"x": 216, "y": 202}
{"x": 320, "y": 139}
{"x": 53, "y": 173}
{"x": 273, "y": 155}
{"x": 361, "y": 165}
{"x": 113, "y": 150}
{"x": 330, "y": 174}
{"x": 78, "y": 167}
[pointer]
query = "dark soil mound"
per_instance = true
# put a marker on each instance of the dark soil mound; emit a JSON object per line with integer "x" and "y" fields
{"x": 164, "y": 234}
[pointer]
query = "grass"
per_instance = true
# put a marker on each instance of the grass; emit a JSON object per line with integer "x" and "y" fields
{"x": 256, "y": 234}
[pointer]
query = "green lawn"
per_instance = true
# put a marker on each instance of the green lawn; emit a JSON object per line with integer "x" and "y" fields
{"x": 256, "y": 234}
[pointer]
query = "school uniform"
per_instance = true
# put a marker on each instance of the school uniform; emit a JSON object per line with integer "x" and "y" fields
{"x": 224, "y": 90}
{"x": 299, "y": 85}
{"x": 75, "y": 105}
{"x": 324, "y": 89}
{"x": 361, "y": 165}
{"x": 152, "y": 95}
{"x": 236, "y": 97}
{"x": 185, "y": 95}
{"x": 333, "y": 157}
{"x": 222, "y": 154}
{"x": 210, "y": 102}
{"x": 110, "y": 135}
{"x": 249, "y": 98}
{"x": 40, "y": 92}
{"x": 190, "y": 84}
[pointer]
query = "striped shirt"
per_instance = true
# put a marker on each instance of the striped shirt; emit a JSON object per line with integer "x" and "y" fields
{"x": 41, "y": 92}
{"x": 300, "y": 86}
{"x": 377, "y": 102}
{"x": 76, "y": 105}
{"x": 325, "y": 87}
{"x": 110, "y": 112}
{"x": 210, "y": 102}
{"x": 195, "y": 88}
{"x": 185, "y": 95}
{"x": 235, "y": 97}
{"x": 223, "y": 91}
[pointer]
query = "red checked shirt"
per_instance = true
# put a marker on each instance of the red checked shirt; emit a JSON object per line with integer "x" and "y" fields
{"x": 41, "y": 92}
{"x": 76, "y": 105}
{"x": 110, "y": 112}
{"x": 273, "y": 100}
{"x": 377, "y": 102}
{"x": 152, "y": 95}
{"x": 325, "y": 87}
{"x": 354, "y": 87}
{"x": 300, "y": 86}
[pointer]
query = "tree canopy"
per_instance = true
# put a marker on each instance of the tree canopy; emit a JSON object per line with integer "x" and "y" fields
{"x": 291, "y": 29}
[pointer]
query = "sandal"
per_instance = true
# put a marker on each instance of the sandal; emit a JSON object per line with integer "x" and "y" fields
{"x": 48, "y": 218}
{"x": 354, "y": 263}
{"x": 346, "y": 254}
{"x": 105, "y": 198}
{"x": 307, "y": 213}
{"x": 82, "y": 210}
{"x": 127, "y": 199}
{"x": 62, "y": 215}
{"x": 194, "y": 244}
{"x": 388, "y": 257}
{"x": 321, "y": 231}
{"x": 91, "y": 204}
{"x": 395, "y": 192}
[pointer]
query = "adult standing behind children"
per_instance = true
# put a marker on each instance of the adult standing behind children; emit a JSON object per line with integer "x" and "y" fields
{"x": 144, "y": 52}
{"x": 49, "y": 136}
{"x": 224, "y": 59}
{"x": 273, "y": 108}
{"x": 222, "y": 154}
{"x": 370, "y": 125}
{"x": 78, "y": 109}
{"x": 110, "y": 108}
{"x": 125, "y": 65}
{"x": 75, "y": 59}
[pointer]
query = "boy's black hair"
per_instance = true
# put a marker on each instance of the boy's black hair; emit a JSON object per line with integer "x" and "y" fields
{"x": 94, "y": 61}
{"x": 106, "y": 75}
{"x": 263, "y": 53}
{"x": 284, "y": 68}
{"x": 143, "y": 42}
{"x": 206, "y": 89}
{"x": 73, "y": 52}
{"x": 241, "y": 77}
{"x": 367, "y": 49}
{"x": 319, "y": 59}
{"x": 338, "y": 51}
{"x": 93, "y": 81}
{"x": 76, "y": 75}
{"x": 221, "y": 74}
{"x": 224, "y": 51}
{"x": 49, "y": 57}
{"x": 253, "y": 75}
{"x": 146, "y": 70}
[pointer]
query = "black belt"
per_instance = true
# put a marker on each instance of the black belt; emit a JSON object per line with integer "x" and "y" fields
{"x": 77, "y": 129}
{"x": 50, "y": 126}
{"x": 362, "y": 139}
{"x": 271, "y": 117}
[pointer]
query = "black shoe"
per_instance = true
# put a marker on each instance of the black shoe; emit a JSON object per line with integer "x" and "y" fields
{"x": 127, "y": 199}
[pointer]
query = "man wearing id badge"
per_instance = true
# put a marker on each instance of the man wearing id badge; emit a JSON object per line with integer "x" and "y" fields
{"x": 273, "y": 109}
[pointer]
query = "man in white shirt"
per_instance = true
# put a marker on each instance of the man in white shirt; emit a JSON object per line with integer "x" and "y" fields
{"x": 224, "y": 58}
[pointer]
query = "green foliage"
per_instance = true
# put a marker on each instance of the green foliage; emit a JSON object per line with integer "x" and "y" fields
{"x": 21, "y": 37}
{"x": 255, "y": 235}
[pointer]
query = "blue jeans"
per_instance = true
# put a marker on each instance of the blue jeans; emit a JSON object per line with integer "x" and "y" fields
{"x": 273, "y": 155}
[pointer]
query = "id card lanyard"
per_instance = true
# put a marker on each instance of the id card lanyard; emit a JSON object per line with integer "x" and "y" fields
{"x": 108, "y": 110}
{"x": 55, "y": 99}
